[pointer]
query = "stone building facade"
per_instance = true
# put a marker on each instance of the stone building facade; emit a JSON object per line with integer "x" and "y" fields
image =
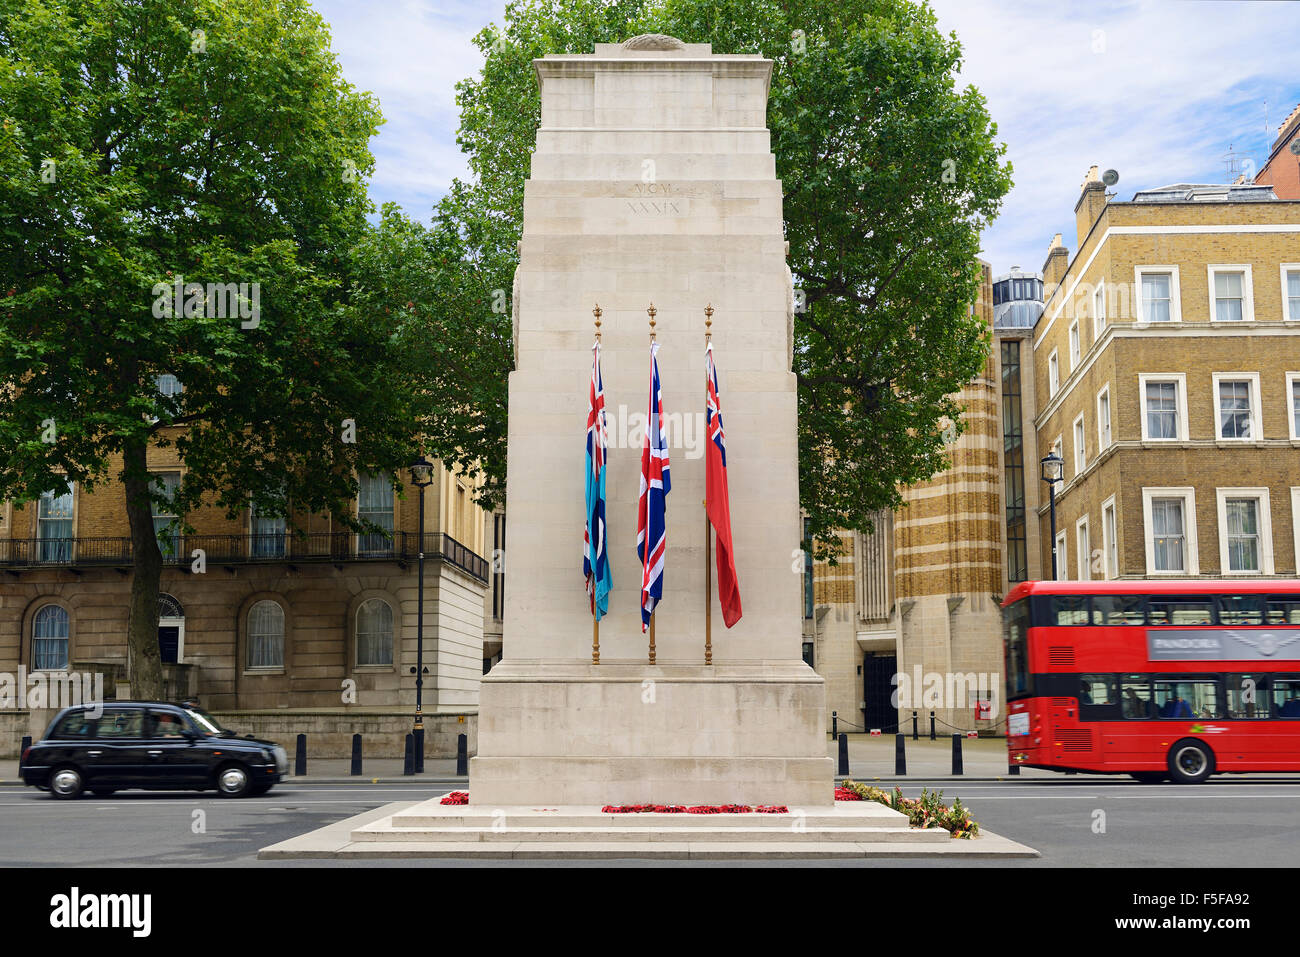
{"x": 319, "y": 630}
{"x": 1168, "y": 377}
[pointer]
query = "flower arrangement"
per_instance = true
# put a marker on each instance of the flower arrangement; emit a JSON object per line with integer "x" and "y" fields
{"x": 926, "y": 811}
{"x": 456, "y": 797}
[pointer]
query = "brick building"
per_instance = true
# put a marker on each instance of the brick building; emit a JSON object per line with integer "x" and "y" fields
{"x": 279, "y": 632}
{"x": 921, "y": 594}
{"x": 1282, "y": 169}
{"x": 1168, "y": 378}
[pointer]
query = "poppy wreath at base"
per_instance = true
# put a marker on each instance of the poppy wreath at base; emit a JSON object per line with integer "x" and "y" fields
{"x": 456, "y": 797}
{"x": 696, "y": 809}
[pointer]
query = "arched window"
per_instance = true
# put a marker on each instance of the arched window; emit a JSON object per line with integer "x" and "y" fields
{"x": 266, "y": 635}
{"x": 50, "y": 639}
{"x": 375, "y": 633}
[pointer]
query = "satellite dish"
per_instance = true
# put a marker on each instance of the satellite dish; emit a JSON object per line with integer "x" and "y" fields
{"x": 1110, "y": 177}
{"x": 1295, "y": 147}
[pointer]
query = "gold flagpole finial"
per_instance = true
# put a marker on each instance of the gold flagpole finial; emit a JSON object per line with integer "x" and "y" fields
{"x": 653, "y": 312}
{"x": 597, "y": 313}
{"x": 708, "y": 322}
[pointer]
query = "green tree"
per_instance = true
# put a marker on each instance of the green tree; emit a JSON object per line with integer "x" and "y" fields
{"x": 889, "y": 172}
{"x": 144, "y": 144}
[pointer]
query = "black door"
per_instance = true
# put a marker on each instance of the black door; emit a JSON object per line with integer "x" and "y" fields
{"x": 117, "y": 754}
{"x": 171, "y": 758}
{"x": 877, "y": 692}
{"x": 169, "y": 640}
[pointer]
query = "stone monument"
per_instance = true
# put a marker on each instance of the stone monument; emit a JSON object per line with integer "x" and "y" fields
{"x": 652, "y": 180}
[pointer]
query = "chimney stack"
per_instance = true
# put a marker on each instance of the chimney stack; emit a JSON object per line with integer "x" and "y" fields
{"x": 1092, "y": 200}
{"x": 1058, "y": 258}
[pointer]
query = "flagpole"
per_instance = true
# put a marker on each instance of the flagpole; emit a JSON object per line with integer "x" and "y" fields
{"x": 708, "y": 537}
{"x": 595, "y": 621}
{"x": 652, "y": 312}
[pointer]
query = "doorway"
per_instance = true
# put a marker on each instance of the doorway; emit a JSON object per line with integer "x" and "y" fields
{"x": 171, "y": 630}
{"x": 878, "y": 692}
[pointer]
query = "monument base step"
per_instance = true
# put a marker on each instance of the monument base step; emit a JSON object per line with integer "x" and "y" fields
{"x": 847, "y": 830}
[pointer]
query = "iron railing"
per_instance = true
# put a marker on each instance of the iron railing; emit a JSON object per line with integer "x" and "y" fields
{"x": 266, "y": 548}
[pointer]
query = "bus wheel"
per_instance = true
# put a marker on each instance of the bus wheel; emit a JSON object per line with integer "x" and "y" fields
{"x": 1148, "y": 777}
{"x": 1190, "y": 761}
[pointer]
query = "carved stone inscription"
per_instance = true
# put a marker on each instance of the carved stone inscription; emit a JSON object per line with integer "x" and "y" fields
{"x": 654, "y": 199}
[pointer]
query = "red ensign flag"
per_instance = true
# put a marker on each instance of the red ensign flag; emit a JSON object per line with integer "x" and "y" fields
{"x": 719, "y": 502}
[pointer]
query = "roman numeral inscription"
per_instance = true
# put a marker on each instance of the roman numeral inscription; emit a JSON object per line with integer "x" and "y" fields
{"x": 652, "y": 207}
{"x": 651, "y": 199}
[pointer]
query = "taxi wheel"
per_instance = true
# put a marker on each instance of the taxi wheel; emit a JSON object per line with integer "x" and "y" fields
{"x": 233, "y": 781}
{"x": 66, "y": 783}
{"x": 1190, "y": 761}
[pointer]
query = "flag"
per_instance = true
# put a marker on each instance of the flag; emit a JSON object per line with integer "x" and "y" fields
{"x": 595, "y": 558}
{"x": 719, "y": 501}
{"x": 651, "y": 528}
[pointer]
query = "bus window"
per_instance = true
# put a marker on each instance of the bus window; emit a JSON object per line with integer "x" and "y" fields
{"x": 1135, "y": 696}
{"x": 1247, "y": 696}
{"x": 1284, "y": 610}
{"x": 1187, "y": 699}
{"x": 1241, "y": 609}
{"x": 1017, "y": 637}
{"x": 1119, "y": 610}
{"x": 1286, "y": 697}
{"x": 1069, "y": 610}
{"x": 1097, "y": 689}
{"x": 1181, "y": 610}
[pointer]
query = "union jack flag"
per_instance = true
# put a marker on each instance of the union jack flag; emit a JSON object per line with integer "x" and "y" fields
{"x": 718, "y": 498}
{"x": 595, "y": 558}
{"x": 651, "y": 529}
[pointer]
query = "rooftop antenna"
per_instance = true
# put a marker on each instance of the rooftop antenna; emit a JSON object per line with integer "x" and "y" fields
{"x": 1233, "y": 166}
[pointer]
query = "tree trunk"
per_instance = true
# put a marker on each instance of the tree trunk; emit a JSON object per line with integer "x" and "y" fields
{"x": 142, "y": 620}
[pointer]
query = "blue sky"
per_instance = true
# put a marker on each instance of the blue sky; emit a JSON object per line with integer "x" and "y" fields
{"x": 1155, "y": 90}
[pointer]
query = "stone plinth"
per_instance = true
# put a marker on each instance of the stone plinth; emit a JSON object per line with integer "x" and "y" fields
{"x": 652, "y": 180}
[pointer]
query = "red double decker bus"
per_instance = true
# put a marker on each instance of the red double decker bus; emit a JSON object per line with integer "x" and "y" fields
{"x": 1156, "y": 679}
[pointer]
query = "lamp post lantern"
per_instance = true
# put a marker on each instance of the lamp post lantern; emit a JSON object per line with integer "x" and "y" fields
{"x": 421, "y": 478}
{"x": 1053, "y": 470}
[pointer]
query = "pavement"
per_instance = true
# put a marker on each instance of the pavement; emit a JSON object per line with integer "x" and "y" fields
{"x": 871, "y": 758}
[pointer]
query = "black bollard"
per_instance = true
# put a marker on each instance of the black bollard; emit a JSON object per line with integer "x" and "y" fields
{"x": 419, "y": 751}
{"x": 914, "y": 734}
{"x": 844, "y": 754}
{"x": 356, "y": 754}
{"x": 835, "y": 724}
{"x": 27, "y": 743}
{"x": 1013, "y": 769}
{"x": 956, "y": 753}
{"x": 900, "y": 755}
{"x": 932, "y": 737}
{"x": 300, "y": 757}
{"x": 408, "y": 766}
{"x": 462, "y": 755}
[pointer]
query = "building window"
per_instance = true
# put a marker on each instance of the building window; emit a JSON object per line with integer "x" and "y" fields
{"x": 1083, "y": 549}
{"x": 1062, "y": 564}
{"x": 266, "y": 635}
{"x": 1245, "y": 531}
{"x": 1076, "y": 350}
{"x": 50, "y": 639}
{"x": 267, "y": 530}
{"x": 1013, "y": 457}
{"x": 168, "y": 385}
{"x": 1236, "y": 405}
{"x": 1103, "y": 419}
{"x": 1291, "y": 291}
{"x": 1158, "y": 295}
{"x": 1080, "y": 446}
{"x": 1109, "y": 538}
{"x": 54, "y": 516}
{"x": 1164, "y": 412}
{"x": 1230, "y": 292}
{"x": 1053, "y": 374}
{"x": 374, "y": 633}
{"x": 1169, "y": 518}
{"x": 1293, "y": 402}
{"x": 165, "y": 520}
{"x": 375, "y": 504}
{"x": 1098, "y": 310}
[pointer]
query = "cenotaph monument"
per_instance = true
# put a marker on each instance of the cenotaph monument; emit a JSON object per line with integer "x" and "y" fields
{"x": 652, "y": 180}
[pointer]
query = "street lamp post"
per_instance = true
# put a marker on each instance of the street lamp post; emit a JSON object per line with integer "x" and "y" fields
{"x": 1053, "y": 469}
{"x": 421, "y": 478}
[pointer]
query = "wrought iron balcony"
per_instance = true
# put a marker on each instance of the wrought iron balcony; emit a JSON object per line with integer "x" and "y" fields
{"x": 281, "y": 547}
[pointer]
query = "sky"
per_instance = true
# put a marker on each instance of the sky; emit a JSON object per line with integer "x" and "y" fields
{"x": 1157, "y": 91}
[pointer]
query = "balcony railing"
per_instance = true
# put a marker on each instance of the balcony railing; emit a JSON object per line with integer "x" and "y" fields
{"x": 270, "y": 548}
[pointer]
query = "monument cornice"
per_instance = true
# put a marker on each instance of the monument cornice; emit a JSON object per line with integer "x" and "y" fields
{"x": 588, "y": 64}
